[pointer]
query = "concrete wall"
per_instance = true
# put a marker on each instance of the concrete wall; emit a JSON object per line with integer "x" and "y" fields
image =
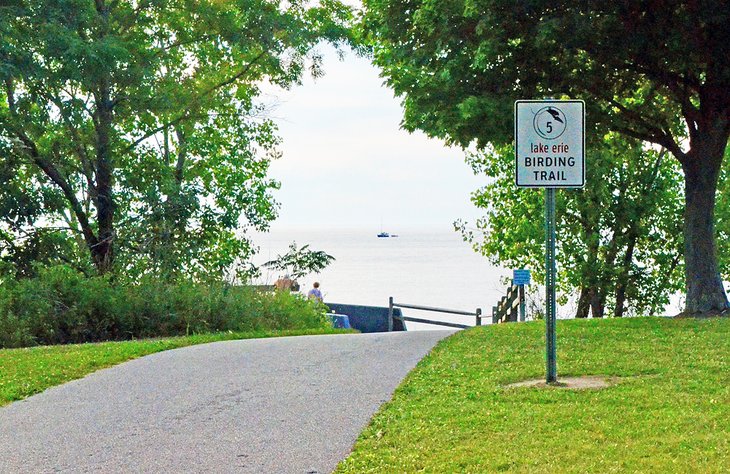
{"x": 368, "y": 318}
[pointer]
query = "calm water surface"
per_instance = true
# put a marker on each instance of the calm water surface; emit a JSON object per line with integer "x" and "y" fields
{"x": 423, "y": 268}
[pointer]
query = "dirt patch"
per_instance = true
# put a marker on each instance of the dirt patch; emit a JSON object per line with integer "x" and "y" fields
{"x": 588, "y": 382}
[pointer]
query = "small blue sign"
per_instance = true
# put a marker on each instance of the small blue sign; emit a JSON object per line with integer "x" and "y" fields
{"x": 521, "y": 277}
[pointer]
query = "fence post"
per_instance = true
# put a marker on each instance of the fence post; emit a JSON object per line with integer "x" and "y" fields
{"x": 479, "y": 316}
{"x": 522, "y": 303}
{"x": 390, "y": 314}
{"x": 513, "y": 309}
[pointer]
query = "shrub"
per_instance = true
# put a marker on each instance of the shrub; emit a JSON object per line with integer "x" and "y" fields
{"x": 62, "y": 306}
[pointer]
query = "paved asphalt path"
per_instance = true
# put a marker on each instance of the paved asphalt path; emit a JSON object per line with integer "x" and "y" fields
{"x": 281, "y": 405}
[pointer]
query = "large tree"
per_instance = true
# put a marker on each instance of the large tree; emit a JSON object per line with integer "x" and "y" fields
{"x": 620, "y": 237}
{"x": 144, "y": 112}
{"x": 655, "y": 71}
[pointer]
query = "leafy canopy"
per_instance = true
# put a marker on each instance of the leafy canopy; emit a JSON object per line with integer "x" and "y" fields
{"x": 460, "y": 64}
{"x": 136, "y": 124}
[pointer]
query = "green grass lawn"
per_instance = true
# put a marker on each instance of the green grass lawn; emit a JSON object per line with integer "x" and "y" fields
{"x": 668, "y": 412}
{"x": 24, "y": 372}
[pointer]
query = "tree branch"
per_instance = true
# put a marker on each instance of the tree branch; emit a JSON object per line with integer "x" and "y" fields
{"x": 78, "y": 143}
{"x": 10, "y": 92}
{"x": 663, "y": 140}
{"x": 181, "y": 156}
{"x": 680, "y": 86}
{"x": 666, "y": 77}
{"x": 143, "y": 5}
{"x": 52, "y": 172}
{"x": 187, "y": 112}
{"x": 170, "y": 46}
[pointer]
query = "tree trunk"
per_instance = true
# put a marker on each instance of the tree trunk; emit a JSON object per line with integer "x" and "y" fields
{"x": 702, "y": 164}
{"x": 642, "y": 206}
{"x": 624, "y": 278}
{"x": 602, "y": 286}
{"x": 598, "y": 302}
{"x": 103, "y": 252}
{"x": 590, "y": 277}
{"x": 583, "y": 303}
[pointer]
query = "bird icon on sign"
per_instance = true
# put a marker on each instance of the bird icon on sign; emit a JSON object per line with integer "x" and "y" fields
{"x": 555, "y": 114}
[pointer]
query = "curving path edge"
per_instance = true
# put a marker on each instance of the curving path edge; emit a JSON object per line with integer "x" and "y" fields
{"x": 283, "y": 405}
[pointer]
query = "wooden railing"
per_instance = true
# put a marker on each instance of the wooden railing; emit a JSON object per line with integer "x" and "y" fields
{"x": 391, "y": 305}
{"x": 511, "y": 307}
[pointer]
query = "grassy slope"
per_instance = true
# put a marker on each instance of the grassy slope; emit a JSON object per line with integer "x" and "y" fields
{"x": 670, "y": 412}
{"x": 24, "y": 372}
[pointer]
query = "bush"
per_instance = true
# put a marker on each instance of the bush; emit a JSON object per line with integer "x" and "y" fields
{"x": 62, "y": 306}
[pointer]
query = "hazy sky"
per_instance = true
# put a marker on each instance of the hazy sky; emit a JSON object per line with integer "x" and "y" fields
{"x": 347, "y": 164}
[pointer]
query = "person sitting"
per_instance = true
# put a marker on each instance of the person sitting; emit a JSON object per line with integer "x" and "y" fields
{"x": 315, "y": 293}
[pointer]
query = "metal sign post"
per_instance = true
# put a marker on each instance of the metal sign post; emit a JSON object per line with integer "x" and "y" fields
{"x": 551, "y": 357}
{"x": 550, "y": 154}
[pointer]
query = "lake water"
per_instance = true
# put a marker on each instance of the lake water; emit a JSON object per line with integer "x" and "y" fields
{"x": 435, "y": 269}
